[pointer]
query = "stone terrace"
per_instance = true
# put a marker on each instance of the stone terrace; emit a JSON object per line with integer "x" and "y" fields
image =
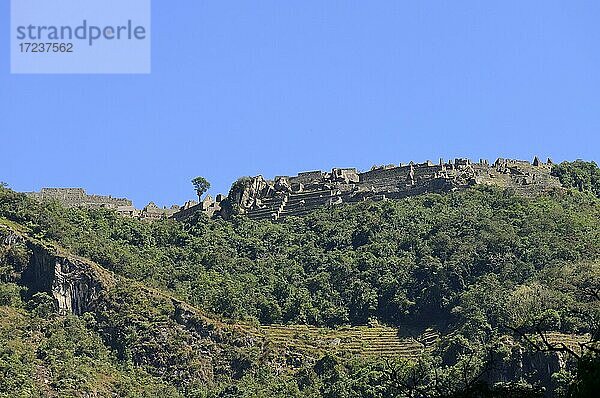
{"x": 297, "y": 195}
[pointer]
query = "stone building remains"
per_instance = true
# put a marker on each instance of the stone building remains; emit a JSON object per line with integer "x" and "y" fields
{"x": 283, "y": 196}
{"x": 77, "y": 197}
{"x": 293, "y": 196}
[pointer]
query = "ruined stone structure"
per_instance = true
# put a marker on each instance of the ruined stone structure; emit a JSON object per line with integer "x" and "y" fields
{"x": 208, "y": 206}
{"x": 77, "y": 197}
{"x": 153, "y": 212}
{"x": 283, "y": 196}
{"x": 128, "y": 211}
{"x": 292, "y": 196}
{"x": 150, "y": 212}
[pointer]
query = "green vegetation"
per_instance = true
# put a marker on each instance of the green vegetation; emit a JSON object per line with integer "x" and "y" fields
{"x": 42, "y": 354}
{"x": 581, "y": 175}
{"x": 407, "y": 262}
{"x": 502, "y": 279}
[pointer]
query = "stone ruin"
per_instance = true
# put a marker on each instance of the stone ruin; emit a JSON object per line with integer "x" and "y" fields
{"x": 152, "y": 212}
{"x": 284, "y": 196}
{"x": 77, "y": 197}
{"x": 208, "y": 206}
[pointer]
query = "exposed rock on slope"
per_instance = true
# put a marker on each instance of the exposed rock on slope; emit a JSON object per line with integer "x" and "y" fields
{"x": 75, "y": 283}
{"x": 155, "y": 331}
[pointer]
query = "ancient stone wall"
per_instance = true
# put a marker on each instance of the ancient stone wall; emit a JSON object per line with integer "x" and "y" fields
{"x": 208, "y": 206}
{"x": 384, "y": 173}
{"x": 286, "y": 196}
{"x": 309, "y": 177}
{"x": 296, "y": 195}
{"x": 77, "y": 197}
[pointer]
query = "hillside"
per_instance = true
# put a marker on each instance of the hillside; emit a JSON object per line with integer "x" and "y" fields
{"x": 480, "y": 292}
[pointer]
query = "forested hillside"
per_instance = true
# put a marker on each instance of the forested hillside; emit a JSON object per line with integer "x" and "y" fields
{"x": 506, "y": 287}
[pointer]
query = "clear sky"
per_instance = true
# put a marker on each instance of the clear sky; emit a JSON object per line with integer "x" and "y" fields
{"x": 277, "y": 87}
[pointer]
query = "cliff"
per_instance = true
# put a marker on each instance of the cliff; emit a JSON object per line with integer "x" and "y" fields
{"x": 76, "y": 284}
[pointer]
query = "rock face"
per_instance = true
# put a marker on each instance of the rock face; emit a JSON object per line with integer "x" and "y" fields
{"x": 536, "y": 367}
{"x": 72, "y": 282}
{"x": 291, "y": 196}
{"x": 76, "y": 284}
{"x": 248, "y": 192}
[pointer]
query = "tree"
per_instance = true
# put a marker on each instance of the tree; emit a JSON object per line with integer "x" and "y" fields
{"x": 201, "y": 185}
{"x": 581, "y": 175}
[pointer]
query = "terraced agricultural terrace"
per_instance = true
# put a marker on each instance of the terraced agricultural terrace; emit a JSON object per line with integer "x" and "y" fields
{"x": 378, "y": 341}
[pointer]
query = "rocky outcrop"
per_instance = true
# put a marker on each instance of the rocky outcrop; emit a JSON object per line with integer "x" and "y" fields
{"x": 76, "y": 284}
{"x": 247, "y": 192}
{"x": 535, "y": 366}
{"x": 73, "y": 282}
{"x": 195, "y": 322}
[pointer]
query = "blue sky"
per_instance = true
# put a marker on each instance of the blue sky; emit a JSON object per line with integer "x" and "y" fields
{"x": 273, "y": 88}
